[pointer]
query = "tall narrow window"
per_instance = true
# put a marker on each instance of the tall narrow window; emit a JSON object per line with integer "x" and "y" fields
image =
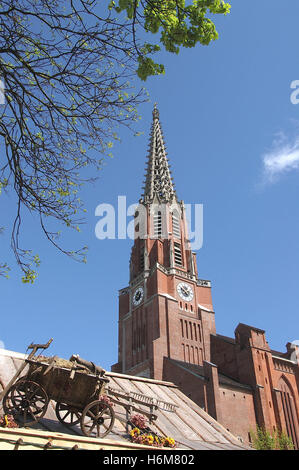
{"x": 143, "y": 336}
{"x": 182, "y": 328}
{"x": 188, "y": 353}
{"x": 192, "y": 358}
{"x": 142, "y": 259}
{"x": 186, "y": 329}
{"x": 191, "y": 334}
{"x": 196, "y": 356}
{"x": 176, "y": 225}
{"x": 178, "y": 254}
{"x": 158, "y": 224}
{"x": 199, "y": 333}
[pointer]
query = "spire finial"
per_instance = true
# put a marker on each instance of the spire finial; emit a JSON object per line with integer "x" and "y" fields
{"x": 155, "y": 112}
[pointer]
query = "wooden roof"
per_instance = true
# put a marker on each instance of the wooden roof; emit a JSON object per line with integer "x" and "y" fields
{"x": 190, "y": 426}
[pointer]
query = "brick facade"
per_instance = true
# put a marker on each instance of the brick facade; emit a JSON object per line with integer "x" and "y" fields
{"x": 167, "y": 323}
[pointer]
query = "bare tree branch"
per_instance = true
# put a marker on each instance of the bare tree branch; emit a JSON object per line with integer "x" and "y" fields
{"x": 67, "y": 74}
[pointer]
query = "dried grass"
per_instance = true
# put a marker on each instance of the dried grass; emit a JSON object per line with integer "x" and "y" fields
{"x": 60, "y": 362}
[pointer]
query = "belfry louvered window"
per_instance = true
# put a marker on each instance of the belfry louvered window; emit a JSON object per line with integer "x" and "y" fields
{"x": 158, "y": 224}
{"x": 176, "y": 229}
{"x": 178, "y": 254}
{"x": 142, "y": 259}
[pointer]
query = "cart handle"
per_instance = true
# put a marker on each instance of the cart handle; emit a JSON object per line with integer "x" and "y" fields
{"x": 34, "y": 348}
{"x": 40, "y": 346}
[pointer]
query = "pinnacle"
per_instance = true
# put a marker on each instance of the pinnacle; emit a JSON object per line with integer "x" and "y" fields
{"x": 158, "y": 176}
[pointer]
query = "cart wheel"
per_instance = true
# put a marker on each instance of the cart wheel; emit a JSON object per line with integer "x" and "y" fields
{"x": 97, "y": 419}
{"x": 27, "y": 401}
{"x": 67, "y": 415}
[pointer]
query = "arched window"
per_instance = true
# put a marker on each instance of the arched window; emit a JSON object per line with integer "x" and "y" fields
{"x": 289, "y": 409}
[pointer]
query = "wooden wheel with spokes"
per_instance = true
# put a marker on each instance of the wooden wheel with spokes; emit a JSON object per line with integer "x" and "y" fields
{"x": 97, "y": 419}
{"x": 67, "y": 414}
{"x": 27, "y": 401}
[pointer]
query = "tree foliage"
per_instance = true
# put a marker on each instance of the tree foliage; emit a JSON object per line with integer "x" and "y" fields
{"x": 67, "y": 66}
{"x": 177, "y": 23}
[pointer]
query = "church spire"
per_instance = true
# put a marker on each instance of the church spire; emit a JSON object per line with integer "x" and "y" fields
{"x": 158, "y": 182}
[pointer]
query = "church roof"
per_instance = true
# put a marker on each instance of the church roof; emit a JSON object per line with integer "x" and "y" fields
{"x": 189, "y": 425}
{"x": 158, "y": 185}
{"x": 199, "y": 372}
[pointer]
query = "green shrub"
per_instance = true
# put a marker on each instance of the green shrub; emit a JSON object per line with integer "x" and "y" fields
{"x": 262, "y": 439}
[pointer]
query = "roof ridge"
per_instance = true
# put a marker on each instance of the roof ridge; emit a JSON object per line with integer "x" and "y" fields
{"x": 140, "y": 379}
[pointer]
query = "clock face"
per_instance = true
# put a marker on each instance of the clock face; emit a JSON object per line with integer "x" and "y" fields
{"x": 185, "y": 291}
{"x": 138, "y": 296}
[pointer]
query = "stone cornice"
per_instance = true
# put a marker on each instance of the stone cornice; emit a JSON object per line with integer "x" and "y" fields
{"x": 168, "y": 272}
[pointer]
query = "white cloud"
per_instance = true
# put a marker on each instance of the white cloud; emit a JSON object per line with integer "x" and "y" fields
{"x": 282, "y": 159}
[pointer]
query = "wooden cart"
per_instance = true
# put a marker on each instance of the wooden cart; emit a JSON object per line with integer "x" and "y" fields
{"x": 78, "y": 394}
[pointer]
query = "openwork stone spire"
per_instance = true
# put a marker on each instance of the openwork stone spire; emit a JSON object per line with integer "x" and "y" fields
{"x": 158, "y": 183}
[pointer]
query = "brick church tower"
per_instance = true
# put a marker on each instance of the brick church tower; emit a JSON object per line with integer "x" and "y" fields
{"x": 167, "y": 322}
{"x": 166, "y": 311}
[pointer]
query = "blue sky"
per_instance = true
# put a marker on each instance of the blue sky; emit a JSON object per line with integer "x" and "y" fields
{"x": 232, "y": 137}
